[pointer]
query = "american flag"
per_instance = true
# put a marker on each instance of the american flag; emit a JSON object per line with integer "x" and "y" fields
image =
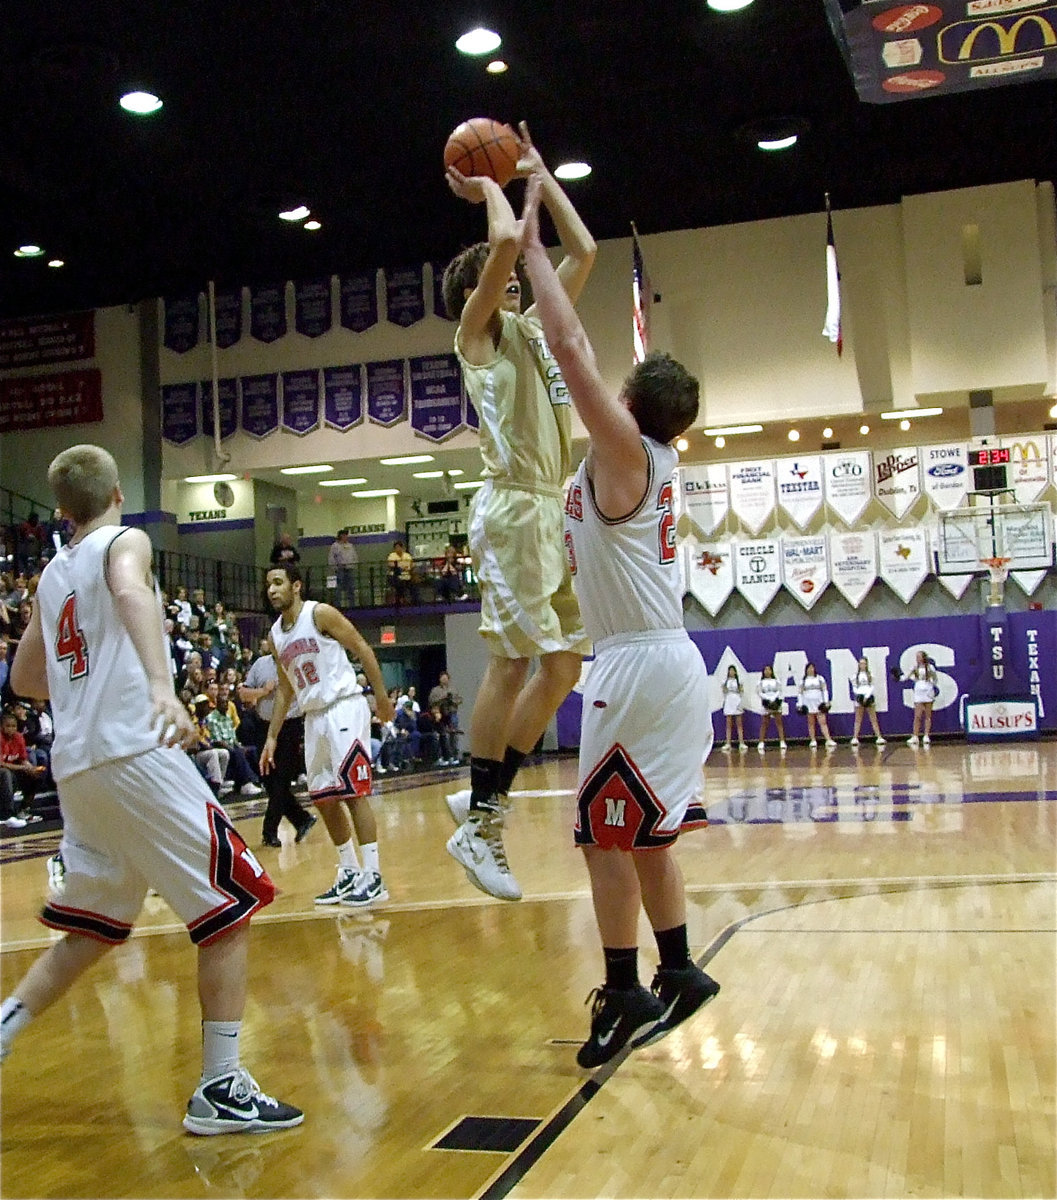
{"x": 642, "y": 295}
{"x": 832, "y": 328}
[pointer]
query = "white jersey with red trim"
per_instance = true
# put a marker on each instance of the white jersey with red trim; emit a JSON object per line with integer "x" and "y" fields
{"x": 625, "y": 570}
{"x": 315, "y": 663}
{"x": 100, "y": 699}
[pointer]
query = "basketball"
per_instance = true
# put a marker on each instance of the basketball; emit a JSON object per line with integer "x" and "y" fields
{"x": 482, "y": 146}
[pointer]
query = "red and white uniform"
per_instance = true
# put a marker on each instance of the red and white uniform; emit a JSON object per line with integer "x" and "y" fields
{"x": 136, "y": 814}
{"x": 337, "y": 717}
{"x": 645, "y": 729}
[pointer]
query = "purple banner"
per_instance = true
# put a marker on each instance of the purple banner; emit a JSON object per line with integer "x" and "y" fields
{"x": 386, "y": 395}
{"x": 268, "y": 312}
{"x": 37, "y": 340}
{"x": 342, "y": 397}
{"x": 436, "y": 396}
{"x": 359, "y": 301}
{"x": 471, "y": 419}
{"x": 227, "y": 395}
{"x": 405, "y": 298}
{"x": 439, "y": 309}
{"x": 300, "y": 401}
{"x": 181, "y": 323}
{"x": 313, "y": 314}
{"x": 960, "y": 647}
{"x": 228, "y": 318}
{"x": 179, "y": 413}
{"x": 260, "y": 404}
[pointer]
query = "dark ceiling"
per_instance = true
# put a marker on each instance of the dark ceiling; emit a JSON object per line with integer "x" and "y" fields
{"x": 347, "y": 103}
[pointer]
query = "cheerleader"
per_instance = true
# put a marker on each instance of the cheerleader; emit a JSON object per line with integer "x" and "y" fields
{"x": 770, "y": 692}
{"x": 733, "y": 707}
{"x": 926, "y": 685}
{"x": 862, "y": 692}
{"x": 814, "y": 704}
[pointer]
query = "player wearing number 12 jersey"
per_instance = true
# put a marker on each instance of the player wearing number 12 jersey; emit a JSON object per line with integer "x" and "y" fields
{"x": 309, "y": 641}
{"x": 645, "y": 728}
{"x": 137, "y": 814}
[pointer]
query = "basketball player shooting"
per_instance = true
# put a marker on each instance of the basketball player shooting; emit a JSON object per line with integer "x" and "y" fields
{"x": 643, "y": 741}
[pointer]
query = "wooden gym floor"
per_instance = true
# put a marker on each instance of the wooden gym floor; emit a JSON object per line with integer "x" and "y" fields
{"x": 882, "y": 924}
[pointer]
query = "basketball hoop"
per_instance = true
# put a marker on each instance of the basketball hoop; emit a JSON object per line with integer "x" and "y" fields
{"x": 999, "y": 571}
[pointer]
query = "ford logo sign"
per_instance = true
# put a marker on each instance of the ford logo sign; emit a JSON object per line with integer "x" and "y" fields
{"x": 946, "y": 470}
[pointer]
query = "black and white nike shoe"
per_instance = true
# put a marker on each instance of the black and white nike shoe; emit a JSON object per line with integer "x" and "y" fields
{"x": 234, "y": 1103}
{"x": 680, "y": 993}
{"x": 618, "y": 1016}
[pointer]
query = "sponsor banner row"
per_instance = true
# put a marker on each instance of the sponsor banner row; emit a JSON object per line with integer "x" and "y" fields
{"x": 846, "y": 481}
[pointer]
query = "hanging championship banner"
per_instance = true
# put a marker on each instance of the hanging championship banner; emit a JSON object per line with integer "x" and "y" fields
{"x": 228, "y": 318}
{"x": 752, "y": 493}
{"x": 705, "y": 495}
{"x": 945, "y": 471}
{"x": 847, "y": 478}
{"x": 799, "y": 487}
{"x": 709, "y": 573}
{"x": 313, "y": 314}
{"x": 1029, "y": 467}
{"x": 181, "y": 323}
{"x": 853, "y": 564}
{"x": 436, "y": 396}
{"x": 903, "y": 560}
{"x": 179, "y": 413}
{"x": 757, "y": 571}
{"x": 386, "y": 393}
{"x": 300, "y": 401}
{"x": 359, "y": 301}
{"x": 1028, "y": 581}
{"x": 35, "y": 341}
{"x": 260, "y": 404}
{"x": 342, "y": 397}
{"x": 268, "y": 312}
{"x": 470, "y": 418}
{"x": 897, "y": 483}
{"x": 227, "y": 395}
{"x": 805, "y": 565}
{"x": 405, "y": 298}
{"x": 955, "y": 584}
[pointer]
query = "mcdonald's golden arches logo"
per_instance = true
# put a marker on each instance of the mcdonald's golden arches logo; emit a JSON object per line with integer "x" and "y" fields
{"x": 1026, "y": 451}
{"x": 985, "y": 41}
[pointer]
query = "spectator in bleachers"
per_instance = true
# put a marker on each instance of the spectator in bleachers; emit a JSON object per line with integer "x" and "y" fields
{"x": 5, "y": 666}
{"x": 450, "y": 584}
{"x": 26, "y": 775}
{"x": 284, "y": 552}
{"x": 401, "y": 568}
{"x": 210, "y": 658}
{"x": 448, "y": 732}
{"x": 342, "y": 558}
{"x": 31, "y": 541}
{"x": 220, "y": 724}
{"x": 183, "y": 607}
{"x": 428, "y": 728}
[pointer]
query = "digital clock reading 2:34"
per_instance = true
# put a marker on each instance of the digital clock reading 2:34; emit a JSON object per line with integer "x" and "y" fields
{"x": 989, "y": 458}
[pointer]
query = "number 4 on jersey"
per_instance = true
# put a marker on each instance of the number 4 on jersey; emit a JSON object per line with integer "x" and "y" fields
{"x": 70, "y": 643}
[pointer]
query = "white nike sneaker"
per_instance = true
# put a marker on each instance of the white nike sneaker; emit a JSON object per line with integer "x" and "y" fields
{"x": 912, "y": 740}
{"x": 880, "y": 742}
{"x": 459, "y": 805}
{"x": 854, "y": 742}
{"x": 478, "y": 846}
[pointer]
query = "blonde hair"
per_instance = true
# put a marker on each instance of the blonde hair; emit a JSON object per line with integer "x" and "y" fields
{"x": 83, "y": 479}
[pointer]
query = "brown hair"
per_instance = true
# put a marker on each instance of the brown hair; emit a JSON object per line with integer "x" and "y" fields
{"x": 83, "y": 479}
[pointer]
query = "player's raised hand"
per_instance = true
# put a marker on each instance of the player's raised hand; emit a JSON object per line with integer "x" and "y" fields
{"x": 529, "y": 160}
{"x": 530, "y": 211}
{"x": 173, "y": 722}
{"x": 469, "y": 187}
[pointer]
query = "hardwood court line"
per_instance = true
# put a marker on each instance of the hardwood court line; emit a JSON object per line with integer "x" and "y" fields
{"x": 507, "y": 1178}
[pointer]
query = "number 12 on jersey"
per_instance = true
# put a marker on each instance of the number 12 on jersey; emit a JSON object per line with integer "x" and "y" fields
{"x": 70, "y": 644}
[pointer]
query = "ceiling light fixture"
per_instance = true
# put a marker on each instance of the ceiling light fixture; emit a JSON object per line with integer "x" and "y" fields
{"x": 728, "y": 430}
{"x": 827, "y": 432}
{"x": 406, "y": 460}
{"x": 904, "y": 414}
{"x": 56, "y": 262}
{"x": 773, "y": 133}
{"x": 725, "y": 6}
{"x": 478, "y": 41}
{"x": 456, "y": 471}
{"x": 793, "y": 435}
{"x": 209, "y": 478}
{"x": 682, "y": 445}
{"x": 312, "y": 226}
{"x": 140, "y": 104}
{"x": 782, "y": 143}
{"x": 720, "y": 443}
{"x": 316, "y": 470}
{"x": 29, "y": 250}
{"x": 1053, "y": 411}
{"x": 373, "y": 493}
{"x": 904, "y": 425}
{"x": 466, "y": 484}
{"x": 295, "y": 214}
{"x": 864, "y": 429}
{"x": 572, "y": 170}
{"x": 340, "y": 482}
{"x": 427, "y": 474}
{"x": 496, "y": 67}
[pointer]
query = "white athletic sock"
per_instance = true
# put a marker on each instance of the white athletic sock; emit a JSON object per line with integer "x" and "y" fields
{"x": 347, "y": 856}
{"x": 370, "y": 857}
{"x": 220, "y": 1048}
{"x": 14, "y": 1017}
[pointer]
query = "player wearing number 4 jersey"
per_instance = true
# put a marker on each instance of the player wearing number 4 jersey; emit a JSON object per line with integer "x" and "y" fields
{"x": 309, "y": 641}
{"x": 137, "y": 814}
{"x": 643, "y": 741}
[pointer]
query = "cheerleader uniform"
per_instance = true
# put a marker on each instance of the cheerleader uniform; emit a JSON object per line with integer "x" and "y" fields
{"x": 862, "y": 689}
{"x": 814, "y": 693}
{"x": 732, "y": 706}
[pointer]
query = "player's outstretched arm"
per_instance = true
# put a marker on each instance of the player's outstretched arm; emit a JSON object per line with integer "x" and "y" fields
{"x": 128, "y": 575}
{"x": 329, "y": 620}
{"x": 576, "y": 241}
{"x": 29, "y": 670}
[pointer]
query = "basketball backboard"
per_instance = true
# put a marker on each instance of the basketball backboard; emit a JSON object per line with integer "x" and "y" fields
{"x": 1021, "y": 532}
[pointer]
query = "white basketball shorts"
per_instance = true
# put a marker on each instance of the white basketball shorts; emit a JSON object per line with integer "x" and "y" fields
{"x": 338, "y": 749}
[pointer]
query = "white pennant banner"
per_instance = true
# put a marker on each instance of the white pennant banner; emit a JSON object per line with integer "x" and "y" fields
{"x": 805, "y": 568}
{"x": 758, "y": 571}
{"x": 955, "y": 584}
{"x": 946, "y": 474}
{"x": 1028, "y": 581}
{"x": 799, "y": 487}
{"x": 1029, "y": 466}
{"x": 903, "y": 560}
{"x": 897, "y": 483}
{"x": 709, "y": 573}
{"x": 853, "y": 564}
{"x": 752, "y": 493}
{"x": 706, "y": 495}
{"x": 1053, "y": 456}
{"x": 848, "y": 477}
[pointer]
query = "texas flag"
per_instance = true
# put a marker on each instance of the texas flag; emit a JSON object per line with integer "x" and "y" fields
{"x": 832, "y": 327}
